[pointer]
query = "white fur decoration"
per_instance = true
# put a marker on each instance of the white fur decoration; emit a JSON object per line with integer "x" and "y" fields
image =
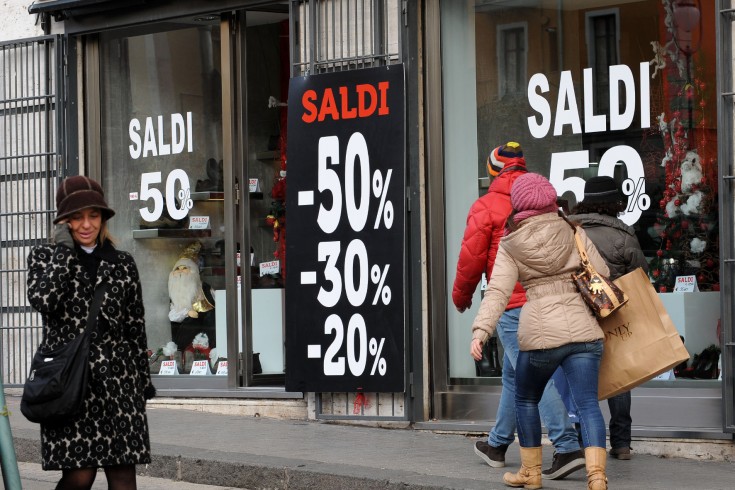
{"x": 691, "y": 171}
{"x": 693, "y": 204}
{"x": 201, "y": 340}
{"x": 169, "y": 349}
{"x": 671, "y": 209}
{"x": 697, "y": 245}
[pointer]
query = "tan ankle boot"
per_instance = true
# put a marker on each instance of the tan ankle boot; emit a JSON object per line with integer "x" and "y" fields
{"x": 595, "y": 459}
{"x": 529, "y": 476}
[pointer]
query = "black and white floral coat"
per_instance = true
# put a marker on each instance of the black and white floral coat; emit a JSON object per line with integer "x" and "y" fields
{"x": 111, "y": 428}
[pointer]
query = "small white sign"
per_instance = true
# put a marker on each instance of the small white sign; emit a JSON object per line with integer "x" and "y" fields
{"x": 168, "y": 368}
{"x": 665, "y": 376}
{"x": 198, "y": 222}
{"x": 222, "y": 368}
{"x": 272, "y": 267}
{"x": 483, "y": 282}
{"x": 254, "y": 185}
{"x": 133, "y": 196}
{"x": 200, "y": 368}
{"x": 686, "y": 284}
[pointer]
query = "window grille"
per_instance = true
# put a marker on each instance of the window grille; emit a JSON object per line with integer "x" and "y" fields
{"x": 338, "y": 35}
{"x": 30, "y": 144}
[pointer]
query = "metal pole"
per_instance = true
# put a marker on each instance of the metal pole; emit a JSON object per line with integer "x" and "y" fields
{"x": 9, "y": 464}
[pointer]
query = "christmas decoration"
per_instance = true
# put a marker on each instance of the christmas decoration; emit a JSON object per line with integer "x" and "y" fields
{"x": 686, "y": 222}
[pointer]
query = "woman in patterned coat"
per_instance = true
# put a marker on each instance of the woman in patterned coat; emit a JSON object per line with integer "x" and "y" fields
{"x": 111, "y": 430}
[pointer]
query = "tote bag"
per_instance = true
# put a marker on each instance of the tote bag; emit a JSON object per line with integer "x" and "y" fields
{"x": 641, "y": 341}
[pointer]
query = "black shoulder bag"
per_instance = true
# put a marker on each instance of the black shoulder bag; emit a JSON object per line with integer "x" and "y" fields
{"x": 57, "y": 383}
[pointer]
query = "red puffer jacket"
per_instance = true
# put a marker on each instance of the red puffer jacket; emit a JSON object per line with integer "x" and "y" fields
{"x": 485, "y": 228}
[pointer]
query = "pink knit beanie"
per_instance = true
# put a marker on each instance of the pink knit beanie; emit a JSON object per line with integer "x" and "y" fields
{"x": 531, "y": 195}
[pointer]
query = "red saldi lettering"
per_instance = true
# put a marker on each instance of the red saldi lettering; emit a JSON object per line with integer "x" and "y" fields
{"x": 370, "y": 101}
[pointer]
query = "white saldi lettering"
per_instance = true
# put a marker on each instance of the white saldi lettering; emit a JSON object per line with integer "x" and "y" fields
{"x": 136, "y": 146}
{"x": 621, "y": 74}
{"x": 177, "y": 133}
{"x": 566, "y": 106}
{"x": 153, "y": 141}
{"x": 539, "y": 104}
{"x": 593, "y": 123}
{"x": 163, "y": 148}
{"x": 149, "y": 142}
{"x": 622, "y": 108}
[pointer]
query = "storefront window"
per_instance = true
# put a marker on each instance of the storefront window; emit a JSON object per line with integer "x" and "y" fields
{"x": 624, "y": 89}
{"x": 162, "y": 168}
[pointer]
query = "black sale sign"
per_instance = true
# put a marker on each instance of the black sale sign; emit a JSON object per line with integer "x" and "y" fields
{"x": 345, "y": 244}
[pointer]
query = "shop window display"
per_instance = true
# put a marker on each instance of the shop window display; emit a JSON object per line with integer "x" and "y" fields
{"x": 624, "y": 89}
{"x": 162, "y": 163}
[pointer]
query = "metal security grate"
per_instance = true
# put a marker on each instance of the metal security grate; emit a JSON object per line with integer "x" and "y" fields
{"x": 30, "y": 144}
{"x": 338, "y": 35}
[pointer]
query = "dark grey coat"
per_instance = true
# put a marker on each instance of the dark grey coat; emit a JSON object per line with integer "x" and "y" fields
{"x": 615, "y": 241}
{"x": 111, "y": 428}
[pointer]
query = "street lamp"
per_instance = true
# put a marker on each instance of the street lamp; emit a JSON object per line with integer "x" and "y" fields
{"x": 687, "y": 37}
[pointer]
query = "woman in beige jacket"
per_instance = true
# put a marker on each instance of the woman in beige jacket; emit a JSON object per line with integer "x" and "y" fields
{"x": 556, "y": 327}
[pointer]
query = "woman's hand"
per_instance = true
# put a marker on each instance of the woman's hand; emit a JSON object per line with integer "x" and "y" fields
{"x": 476, "y": 349}
{"x": 62, "y": 235}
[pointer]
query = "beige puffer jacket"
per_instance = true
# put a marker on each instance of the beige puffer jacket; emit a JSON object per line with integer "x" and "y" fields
{"x": 542, "y": 255}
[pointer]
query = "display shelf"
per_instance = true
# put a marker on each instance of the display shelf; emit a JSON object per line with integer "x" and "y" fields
{"x": 266, "y": 155}
{"x": 171, "y": 233}
{"x": 219, "y": 196}
{"x": 208, "y": 196}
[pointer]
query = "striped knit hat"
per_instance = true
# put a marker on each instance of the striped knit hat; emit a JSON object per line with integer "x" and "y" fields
{"x": 510, "y": 152}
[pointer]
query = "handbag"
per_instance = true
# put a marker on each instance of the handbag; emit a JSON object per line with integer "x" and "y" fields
{"x": 641, "y": 341}
{"x": 57, "y": 383}
{"x": 600, "y": 293}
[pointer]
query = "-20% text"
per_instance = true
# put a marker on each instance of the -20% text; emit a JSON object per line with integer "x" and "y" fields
{"x": 357, "y": 345}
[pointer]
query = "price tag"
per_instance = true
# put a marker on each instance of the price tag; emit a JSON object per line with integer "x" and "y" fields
{"x": 254, "y": 185}
{"x": 686, "y": 284}
{"x": 200, "y": 368}
{"x": 168, "y": 368}
{"x": 198, "y": 222}
{"x": 222, "y": 368}
{"x": 272, "y": 267}
{"x": 345, "y": 204}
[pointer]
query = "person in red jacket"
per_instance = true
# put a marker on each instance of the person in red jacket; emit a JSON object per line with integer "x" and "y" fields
{"x": 485, "y": 227}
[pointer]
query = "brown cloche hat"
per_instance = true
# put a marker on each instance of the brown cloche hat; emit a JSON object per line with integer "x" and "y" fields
{"x": 77, "y": 193}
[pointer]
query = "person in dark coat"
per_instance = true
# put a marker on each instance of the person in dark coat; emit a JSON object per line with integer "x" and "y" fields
{"x": 111, "y": 429}
{"x": 598, "y": 214}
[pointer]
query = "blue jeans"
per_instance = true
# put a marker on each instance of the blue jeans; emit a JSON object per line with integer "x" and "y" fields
{"x": 581, "y": 365}
{"x": 561, "y": 430}
{"x": 620, "y": 420}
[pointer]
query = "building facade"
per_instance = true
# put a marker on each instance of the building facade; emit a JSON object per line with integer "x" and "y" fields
{"x": 175, "y": 108}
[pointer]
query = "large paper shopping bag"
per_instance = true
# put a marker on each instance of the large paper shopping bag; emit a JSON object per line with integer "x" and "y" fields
{"x": 641, "y": 341}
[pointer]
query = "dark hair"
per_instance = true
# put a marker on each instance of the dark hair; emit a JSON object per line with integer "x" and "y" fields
{"x": 610, "y": 208}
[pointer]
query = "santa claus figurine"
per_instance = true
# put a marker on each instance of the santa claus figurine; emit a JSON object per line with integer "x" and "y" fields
{"x": 185, "y": 286}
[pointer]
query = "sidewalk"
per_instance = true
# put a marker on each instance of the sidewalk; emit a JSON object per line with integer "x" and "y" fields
{"x": 259, "y": 453}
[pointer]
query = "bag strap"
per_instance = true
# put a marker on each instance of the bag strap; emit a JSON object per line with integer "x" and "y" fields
{"x": 580, "y": 246}
{"x": 94, "y": 308}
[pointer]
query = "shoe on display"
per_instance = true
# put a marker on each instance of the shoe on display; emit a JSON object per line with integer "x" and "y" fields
{"x": 620, "y": 453}
{"x": 215, "y": 180}
{"x": 494, "y": 456}
{"x": 564, "y": 464}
